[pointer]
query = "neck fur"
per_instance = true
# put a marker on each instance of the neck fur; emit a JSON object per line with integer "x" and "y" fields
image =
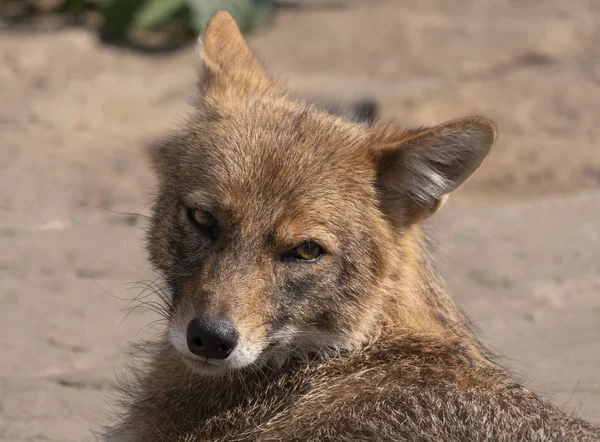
{"x": 415, "y": 299}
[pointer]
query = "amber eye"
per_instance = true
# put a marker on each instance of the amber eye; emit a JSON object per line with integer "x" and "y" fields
{"x": 307, "y": 251}
{"x": 201, "y": 218}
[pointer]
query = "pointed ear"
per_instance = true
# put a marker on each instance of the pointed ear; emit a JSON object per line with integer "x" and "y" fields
{"x": 418, "y": 168}
{"x": 229, "y": 65}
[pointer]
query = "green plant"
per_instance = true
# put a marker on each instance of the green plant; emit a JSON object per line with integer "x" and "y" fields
{"x": 120, "y": 15}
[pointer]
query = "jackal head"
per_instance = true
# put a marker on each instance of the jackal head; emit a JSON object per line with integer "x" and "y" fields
{"x": 276, "y": 224}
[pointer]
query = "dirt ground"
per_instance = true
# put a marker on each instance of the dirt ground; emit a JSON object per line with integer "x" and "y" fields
{"x": 519, "y": 245}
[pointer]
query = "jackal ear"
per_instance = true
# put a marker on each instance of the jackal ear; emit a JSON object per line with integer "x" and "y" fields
{"x": 228, "y": 64}
{"x": 418, "y": 168}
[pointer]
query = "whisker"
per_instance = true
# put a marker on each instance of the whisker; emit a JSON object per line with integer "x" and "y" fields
{"x": 116, "y": 212}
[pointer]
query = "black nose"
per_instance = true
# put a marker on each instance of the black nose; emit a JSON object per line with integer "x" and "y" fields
{"x": 211, "y": 337}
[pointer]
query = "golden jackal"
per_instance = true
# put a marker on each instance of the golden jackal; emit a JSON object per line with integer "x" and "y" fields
{"x": 301, "y": 302}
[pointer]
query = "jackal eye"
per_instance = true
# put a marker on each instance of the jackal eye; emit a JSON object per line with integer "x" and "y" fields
{"x": 201, "y": 218}
{"x": 307, "y": 251}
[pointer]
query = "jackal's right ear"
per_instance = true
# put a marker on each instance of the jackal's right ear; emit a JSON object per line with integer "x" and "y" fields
{"x": 417, "y": 169}
{"x": 229, "y": 67}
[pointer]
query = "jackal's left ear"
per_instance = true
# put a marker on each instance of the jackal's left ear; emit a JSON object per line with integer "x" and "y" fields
{"x": 417, "y": 169}
{"x": 229, "y": 66}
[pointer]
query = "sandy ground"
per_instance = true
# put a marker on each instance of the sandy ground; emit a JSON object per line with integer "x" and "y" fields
{"x": 519, "y": 245}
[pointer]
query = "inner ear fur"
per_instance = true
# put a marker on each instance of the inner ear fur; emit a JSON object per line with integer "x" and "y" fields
{"x": 418, "y": 168}
{"x": 229, "y": 66}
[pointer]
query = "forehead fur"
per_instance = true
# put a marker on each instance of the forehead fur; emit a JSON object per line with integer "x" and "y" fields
{"x": 265, "y": 149}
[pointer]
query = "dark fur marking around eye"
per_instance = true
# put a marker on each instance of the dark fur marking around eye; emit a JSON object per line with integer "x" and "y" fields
{"x": 204, "y": 222}
{"x": 298, "y": 288}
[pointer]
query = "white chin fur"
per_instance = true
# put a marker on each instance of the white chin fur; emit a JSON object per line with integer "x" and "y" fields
{"x": 242, "y": 356}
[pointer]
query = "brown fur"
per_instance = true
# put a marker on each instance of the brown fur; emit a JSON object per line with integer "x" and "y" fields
{"x": 362, "y": 344}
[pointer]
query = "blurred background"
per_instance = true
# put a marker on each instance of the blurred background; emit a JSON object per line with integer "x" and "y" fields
{"x": 87, "y": 86}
